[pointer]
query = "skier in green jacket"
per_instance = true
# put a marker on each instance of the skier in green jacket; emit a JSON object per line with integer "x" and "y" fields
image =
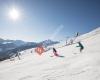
{"x": 81, "y": 46}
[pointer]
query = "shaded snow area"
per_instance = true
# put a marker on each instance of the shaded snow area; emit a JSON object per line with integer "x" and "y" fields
{"x": 73, "y": 66}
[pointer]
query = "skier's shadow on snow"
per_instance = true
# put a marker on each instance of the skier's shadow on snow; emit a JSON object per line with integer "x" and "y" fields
{"x": 62, "y": 56}
{"x": 58, "y": 56}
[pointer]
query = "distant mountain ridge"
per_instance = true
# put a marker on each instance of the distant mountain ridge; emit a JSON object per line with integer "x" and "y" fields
{"x": 11, "y": 47}
{"x": 10, "y": 44}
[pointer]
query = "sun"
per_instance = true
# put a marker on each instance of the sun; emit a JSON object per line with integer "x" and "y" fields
{"x": 14, "y": 14}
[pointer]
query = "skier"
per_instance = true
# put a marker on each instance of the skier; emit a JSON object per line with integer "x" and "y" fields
{"x": 55, "y": 52}
{"x": 39, "y": 50}
{"x": 67, "y": 41}
{"x": 81, "y": 46}
{"x": 77, "y": 34}
{"x": 71, "y": 41}
{"x": 18, "y": 55}
{"x": 31, "y": 51}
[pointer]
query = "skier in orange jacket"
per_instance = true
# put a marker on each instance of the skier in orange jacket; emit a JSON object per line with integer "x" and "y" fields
{"x": 39, "y": 50}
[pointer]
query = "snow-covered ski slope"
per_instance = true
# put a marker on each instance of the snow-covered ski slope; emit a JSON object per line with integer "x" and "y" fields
{"x": 74, "y": 66}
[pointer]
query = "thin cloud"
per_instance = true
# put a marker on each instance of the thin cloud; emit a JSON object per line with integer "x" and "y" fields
{"x": 56, "y": 32}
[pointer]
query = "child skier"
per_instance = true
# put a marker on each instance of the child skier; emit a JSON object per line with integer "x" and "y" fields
{"x": 81, "y": 46}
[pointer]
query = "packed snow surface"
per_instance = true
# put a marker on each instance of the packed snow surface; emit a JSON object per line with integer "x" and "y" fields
{"x": 73, "y": 66}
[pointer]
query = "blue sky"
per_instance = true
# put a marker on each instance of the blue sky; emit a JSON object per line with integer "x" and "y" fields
{"x": 44, "y": 19}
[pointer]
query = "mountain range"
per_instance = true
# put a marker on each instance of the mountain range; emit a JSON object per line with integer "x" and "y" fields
{"x": 10, "y": 47}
